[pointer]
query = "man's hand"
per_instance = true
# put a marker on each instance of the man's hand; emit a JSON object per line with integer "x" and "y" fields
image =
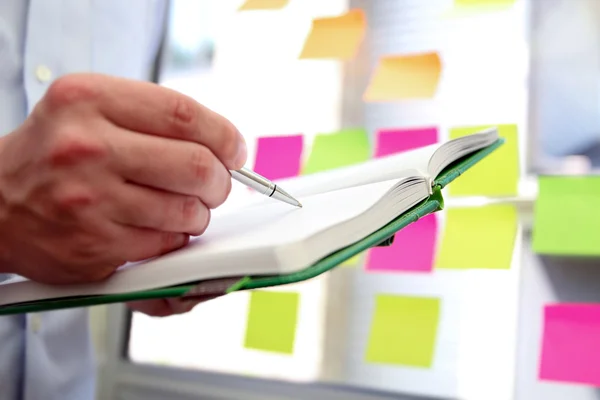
{"x": 166, "y": 307}
{"x": 106, "y": 171}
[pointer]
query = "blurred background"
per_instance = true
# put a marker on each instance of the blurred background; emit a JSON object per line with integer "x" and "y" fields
{"x": 531, "y": 67}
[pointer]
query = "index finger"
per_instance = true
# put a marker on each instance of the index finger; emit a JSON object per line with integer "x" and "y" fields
{"x": 153, "y": 109}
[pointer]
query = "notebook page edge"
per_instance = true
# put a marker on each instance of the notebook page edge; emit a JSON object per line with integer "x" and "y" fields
{"x": 375, "y": 170}
{"x": 127, "y": 281}
{"x": 465, "y": 145}
{"x": 384, "y": 213}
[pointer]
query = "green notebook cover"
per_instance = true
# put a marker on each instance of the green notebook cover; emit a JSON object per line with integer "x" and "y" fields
{"x": 212, "y": 288}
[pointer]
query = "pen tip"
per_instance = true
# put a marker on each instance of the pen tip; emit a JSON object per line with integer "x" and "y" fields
{"x": 282, "y": 195}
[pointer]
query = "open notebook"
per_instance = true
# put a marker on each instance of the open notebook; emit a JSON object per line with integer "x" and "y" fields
{"x": 266, "y": 243}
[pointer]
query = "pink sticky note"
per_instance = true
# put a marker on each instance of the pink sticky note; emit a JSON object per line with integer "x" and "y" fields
{"x": 391, "y": 141}
{"x": 571, "y": 344}
{"x": 279, "y": 157}
{"x": 412, "y": 250}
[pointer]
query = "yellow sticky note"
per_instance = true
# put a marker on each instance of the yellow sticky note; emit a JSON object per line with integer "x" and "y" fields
{"x": 263, "y": 4}
{"x": 272, "y": 320}
{"x": 353, "y": 261}
{"x": 482, "y": 4}
{"x": 566, "y": 216}
{"x": 339, "y": 149}
{"x": 478, "y": 238}
{"x": 469, "y": 8}
{"x": 335, "y": 37}
{"x": 497, "y": 174}
{"x": 402, "y": 77}
{"x": 403, "y": 330}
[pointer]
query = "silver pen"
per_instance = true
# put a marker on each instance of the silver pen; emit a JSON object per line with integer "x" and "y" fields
{"x": 263, "y": 186}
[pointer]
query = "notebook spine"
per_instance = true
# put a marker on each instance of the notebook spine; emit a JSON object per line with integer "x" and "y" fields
{"x": 430, "y": 185}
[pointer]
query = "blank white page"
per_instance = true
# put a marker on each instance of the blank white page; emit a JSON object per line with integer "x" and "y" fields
{"x": 237, "y": 243}
{"x": 276, "y": 223}
{"x": 396, "y": 166}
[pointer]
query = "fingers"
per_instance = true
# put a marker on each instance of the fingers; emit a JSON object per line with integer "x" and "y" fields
{"x": 152, "y": 109}
{"x": 180, "y": 306}
{"x": 137, "y": 244}
{"x": 163, "y": 307}
{"x": 145, "y": 207}
{"x": 152, "y": 308}
{"x": 172, "y": 165}
{"x": 130, "y": 245}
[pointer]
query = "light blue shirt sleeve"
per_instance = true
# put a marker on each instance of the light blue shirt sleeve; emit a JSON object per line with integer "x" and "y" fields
{"x": 49, "y": 356}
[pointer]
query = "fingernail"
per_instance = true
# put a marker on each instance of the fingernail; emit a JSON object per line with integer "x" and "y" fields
{"x": 242, "y": 153}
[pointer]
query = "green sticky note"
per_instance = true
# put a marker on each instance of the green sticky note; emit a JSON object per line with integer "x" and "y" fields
{"x": 478, "y": 238}
{"x": 403, "y": 330}
{"x": 566, "y": 215}
{"x": 339, "y": 149}
{"x": 272, "y": 320}
{"x": 495, "y": 175}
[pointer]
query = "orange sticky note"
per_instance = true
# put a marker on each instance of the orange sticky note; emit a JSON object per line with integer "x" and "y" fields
{"x": 335, "y": 37}
{"x": 263, "y": 4}
{"x": 405, "y": 77}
